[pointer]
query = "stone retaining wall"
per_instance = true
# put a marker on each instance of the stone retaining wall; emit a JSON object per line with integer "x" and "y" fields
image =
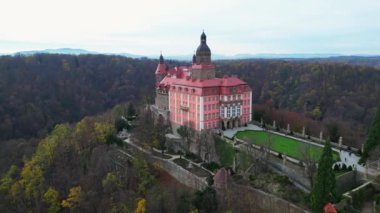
{"x": 253, "y": 200}
{"x": 346, "y": 182}
{"x": 182, "y": 175}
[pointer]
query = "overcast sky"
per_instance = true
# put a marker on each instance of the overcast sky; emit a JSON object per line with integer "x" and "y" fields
{"x": 173, "y": 27}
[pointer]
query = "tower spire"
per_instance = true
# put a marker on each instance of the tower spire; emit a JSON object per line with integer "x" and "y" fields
{"x": 203, "y": 38}
{"x": 161, "y": 58}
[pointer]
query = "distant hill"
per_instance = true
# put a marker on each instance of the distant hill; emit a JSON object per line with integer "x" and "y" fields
{"x": 362, "y": 60}
{"x": 252, "y": 56}
{"x": 66, "y": 51}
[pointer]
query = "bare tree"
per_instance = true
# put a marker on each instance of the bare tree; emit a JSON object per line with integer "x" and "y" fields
{"x": 266, "y": 148}
{"x": 309, "y": 161}
{"x": 187, "y": 134}
{"x": 207, "y": 146}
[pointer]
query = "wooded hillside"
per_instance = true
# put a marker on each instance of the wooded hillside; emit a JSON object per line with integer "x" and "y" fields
{"x": 327, "y": 92}
{"x": 39, "y": 91}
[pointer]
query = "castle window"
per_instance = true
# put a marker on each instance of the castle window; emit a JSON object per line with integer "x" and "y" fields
{"x": 193, "y": 90}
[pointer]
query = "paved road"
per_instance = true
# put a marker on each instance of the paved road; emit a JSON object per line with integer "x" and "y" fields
{"x": 229, "y": 133}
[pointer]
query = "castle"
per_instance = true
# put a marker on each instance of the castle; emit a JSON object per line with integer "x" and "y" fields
{"x": 192, "y": 96}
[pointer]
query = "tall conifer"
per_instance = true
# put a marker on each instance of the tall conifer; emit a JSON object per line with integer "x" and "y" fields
{"x": 324, "y": 183}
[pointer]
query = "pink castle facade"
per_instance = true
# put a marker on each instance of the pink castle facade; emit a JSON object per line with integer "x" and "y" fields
{"x": 192, "y": 96}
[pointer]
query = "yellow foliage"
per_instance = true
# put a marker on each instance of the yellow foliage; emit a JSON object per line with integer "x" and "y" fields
{"x": 51, "y": 195}
{"x": 156, "y": 166}
{"x": 316, "y": 113}
{"x": 102, "y": 130}
{"x": 31, "y": 178}
{"x": 73, "y": 198}
{"x": 141, "y": 206}
{"x": 44, "y": 154}
{"x": 110, "y": 181}
{"x": 15, "y": 190}
{"x": 7, "y": 181}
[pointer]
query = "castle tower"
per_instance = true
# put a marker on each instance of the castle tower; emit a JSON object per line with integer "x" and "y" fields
{"x": 161, "y": 70}
{"x": 203, "y": 54}
{"x": 202, "y": 66}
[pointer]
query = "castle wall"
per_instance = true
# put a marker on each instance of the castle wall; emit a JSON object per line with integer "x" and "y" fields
{"x": 162, "y": 100}
{"x": 203, "y": 74}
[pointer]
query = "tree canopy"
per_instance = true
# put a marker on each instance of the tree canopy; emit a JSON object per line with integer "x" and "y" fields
{"x": 373, "y": 140}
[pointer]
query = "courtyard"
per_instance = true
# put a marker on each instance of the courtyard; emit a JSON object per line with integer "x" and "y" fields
{"x": 281, "y": 144}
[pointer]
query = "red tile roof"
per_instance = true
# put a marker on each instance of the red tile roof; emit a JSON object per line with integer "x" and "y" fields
{"x": 161, "y": 69}
{"x": 180, "y": 79}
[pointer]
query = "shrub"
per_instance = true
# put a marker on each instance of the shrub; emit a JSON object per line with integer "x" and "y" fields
{"x": 212, "y": 166}
{"x": 279, "y": 155}
{"x": 336, "y": 167}
{"x": 359, "y": 152}
{"x": 193, "y": 157}
{"x": 283, "y": 180}
{"x": 377, "y": 198}
{"x": 344, "y": 167}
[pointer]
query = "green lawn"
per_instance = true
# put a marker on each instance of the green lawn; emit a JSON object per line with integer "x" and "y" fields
{"x": 277, "y": 143}
{"x": 225, "y": 151}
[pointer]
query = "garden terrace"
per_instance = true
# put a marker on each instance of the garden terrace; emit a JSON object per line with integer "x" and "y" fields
{"x": 281, "y": 144}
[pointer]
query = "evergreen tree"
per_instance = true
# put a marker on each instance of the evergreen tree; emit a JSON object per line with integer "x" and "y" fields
{"x": 373, "y": 137}
{"x": 323, "y": 190}
{"x": 131, "y": 112}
